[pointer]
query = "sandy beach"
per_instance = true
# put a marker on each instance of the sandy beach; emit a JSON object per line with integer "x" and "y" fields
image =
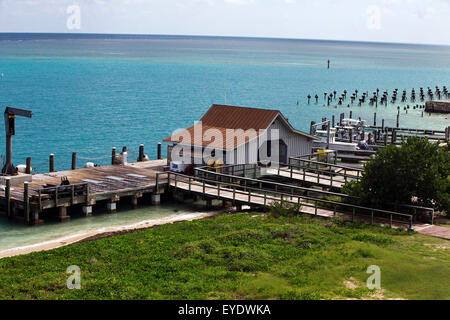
{"x": 103, "y": 233}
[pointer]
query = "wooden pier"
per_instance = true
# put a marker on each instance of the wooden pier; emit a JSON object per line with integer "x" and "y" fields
{"x": 241, "y": 191}
{"x": 33, "y": 201}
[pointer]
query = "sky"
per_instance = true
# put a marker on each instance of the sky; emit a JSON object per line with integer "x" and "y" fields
{"x": 405, "y": 21}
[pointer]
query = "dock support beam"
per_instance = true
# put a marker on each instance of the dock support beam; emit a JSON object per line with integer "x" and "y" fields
{"x": 63, "y": 214}
{"x": 134, "y": 199}
{"x": 208, "y": 204}
{"x": 111, "y": 207}
{"x": 87, "y": 211}
{"x": 8, "y": 198}
{"x": 156, "y": 199}
{"x": 26, "y": 200}
{"x": 34, "y": 217}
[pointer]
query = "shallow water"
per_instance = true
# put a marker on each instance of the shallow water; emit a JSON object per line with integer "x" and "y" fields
{"x": 17, "y": 235}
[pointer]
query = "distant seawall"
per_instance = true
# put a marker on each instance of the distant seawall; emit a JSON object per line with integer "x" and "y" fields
{"x": 438, "y": 106}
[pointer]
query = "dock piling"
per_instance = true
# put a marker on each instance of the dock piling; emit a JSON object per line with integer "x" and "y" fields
{"x": 52, "y": 163}
{"x": 111, "y": 207}
{"x": 156, "y": 199}
{"x": 113, "y": 155}
{"x": 141, "y": 153}
{"x": 62, "y": 213}
{"x": 28, "y": 169}
{"x": 159, "y": 151}
{"x": 74, "y": 160}
{"x": 87, "y": 211}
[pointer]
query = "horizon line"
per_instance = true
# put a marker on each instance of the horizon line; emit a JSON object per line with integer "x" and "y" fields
{"x": 230, "y": 37}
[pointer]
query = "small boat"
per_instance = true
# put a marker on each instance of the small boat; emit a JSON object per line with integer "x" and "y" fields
{"x": 333, "y": 144}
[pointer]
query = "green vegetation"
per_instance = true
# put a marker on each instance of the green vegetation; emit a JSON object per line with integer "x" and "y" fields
{"x": 415, "y": 173}
{"x": 284, "y": 209}
{"x": 242, "y": 256}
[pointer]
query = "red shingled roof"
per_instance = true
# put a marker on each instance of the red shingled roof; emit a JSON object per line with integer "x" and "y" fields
{"x": 221, "y": 117}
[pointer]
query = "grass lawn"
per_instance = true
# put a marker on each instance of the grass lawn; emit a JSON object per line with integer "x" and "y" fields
{"x": 241, "y": 256}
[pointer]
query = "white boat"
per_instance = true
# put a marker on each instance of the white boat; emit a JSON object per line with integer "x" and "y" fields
{"x": 333, "y": 144}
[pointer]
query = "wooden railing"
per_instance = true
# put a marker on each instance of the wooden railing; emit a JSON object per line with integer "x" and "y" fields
{"x": 62, "y": 193}
{"x": 244, "y": 181}
{"x": 236, "y": 193}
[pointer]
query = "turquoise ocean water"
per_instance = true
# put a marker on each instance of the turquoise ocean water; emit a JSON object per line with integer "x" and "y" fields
{"x": 89, "y": 93}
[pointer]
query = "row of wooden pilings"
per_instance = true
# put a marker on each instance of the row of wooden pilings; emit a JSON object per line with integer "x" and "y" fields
{"x": 141, "y": 158}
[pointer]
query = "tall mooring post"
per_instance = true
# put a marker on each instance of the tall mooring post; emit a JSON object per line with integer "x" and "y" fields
{"x": 159, "y": 151}
{"x": 74, "y": 160}
{"x": 52, "y": 163}
{"x": 141, "y": 153}
{"x": 28, "y": 169}
{"x": 113, "y": 155}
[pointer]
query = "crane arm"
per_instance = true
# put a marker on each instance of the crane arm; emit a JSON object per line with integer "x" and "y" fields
{"x": 18, "y": 112}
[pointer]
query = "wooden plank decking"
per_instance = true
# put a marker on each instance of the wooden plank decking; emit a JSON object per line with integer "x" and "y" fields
{"x": 104, "y": 180}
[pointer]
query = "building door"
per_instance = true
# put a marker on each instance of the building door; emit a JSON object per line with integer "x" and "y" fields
{"x": 283, "y": 150}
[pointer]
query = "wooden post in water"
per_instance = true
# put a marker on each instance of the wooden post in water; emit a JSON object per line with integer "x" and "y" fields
{"x": 74, "y": 160}
{"x": 141, "y": 153}
{"x": 113, "y": 155}
{"x": 159, "y": 151}
{"x": 382, "y": 125}
{"x": 398, "y": 119}
{"x": 351, "y": 135}
{"x": 375, "y": 119}
{"x": 28, "y": 169}
{"x": 332, "y": 121}
{"x": 351, "y": 114}
{"x": 52, "y": 163}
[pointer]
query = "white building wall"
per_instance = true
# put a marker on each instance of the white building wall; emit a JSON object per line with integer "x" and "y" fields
{"x": 297, "y": 144}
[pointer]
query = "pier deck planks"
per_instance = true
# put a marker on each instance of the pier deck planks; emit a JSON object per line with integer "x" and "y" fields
{"x": 114, "y": 179}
